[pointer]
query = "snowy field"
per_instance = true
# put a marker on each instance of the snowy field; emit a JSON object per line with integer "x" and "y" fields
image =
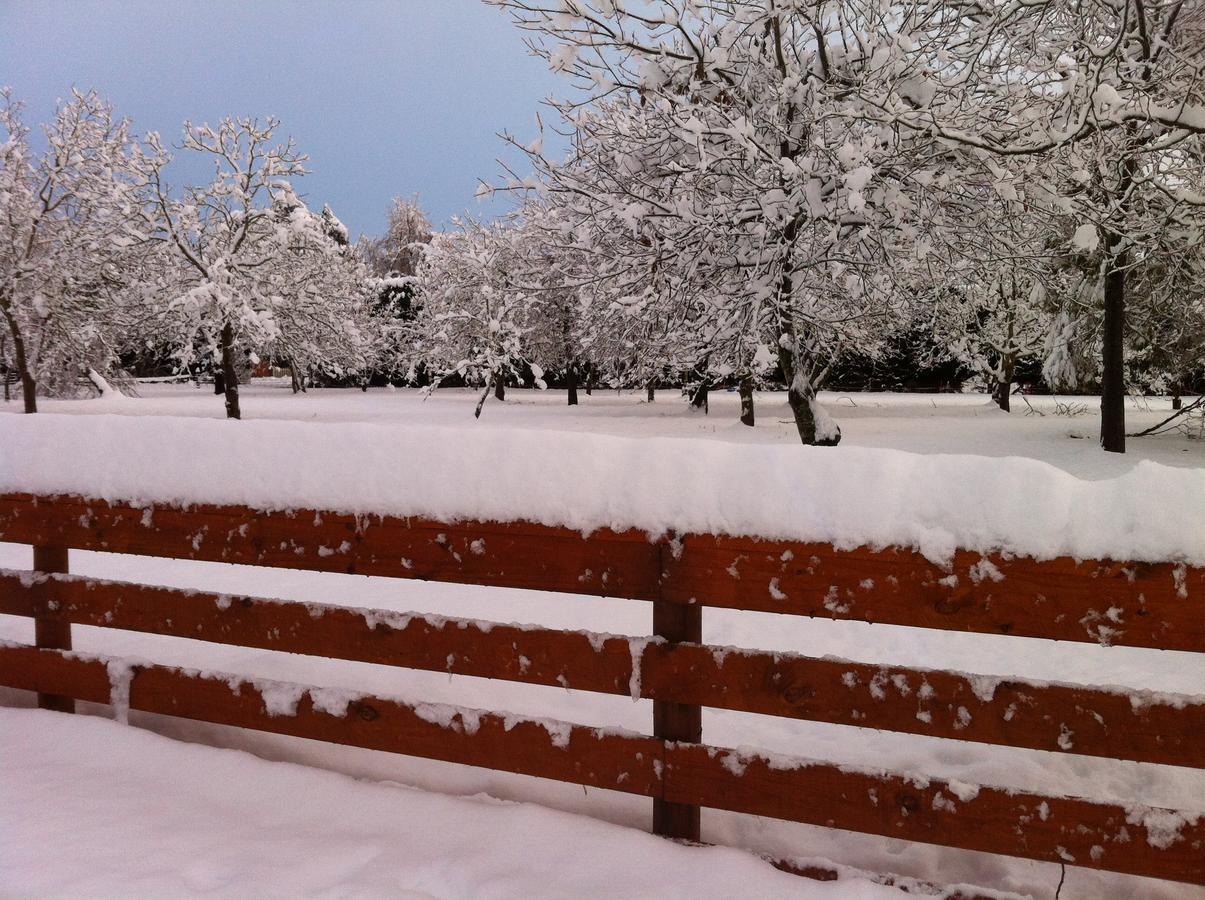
{"x": 293, "y": 805}
{"x": 919, "y": 423}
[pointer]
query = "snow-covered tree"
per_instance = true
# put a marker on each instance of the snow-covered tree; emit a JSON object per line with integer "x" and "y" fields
{"x": 1166, "y": 334}
{"x": 399, "y": 250}
{"x": 67, "y": 229}
{"x": 1112, "y": 90}
{"x": 556, "y": 317}
{"x": 473, "y": 321}
{"x": 728, "y": 154}
{"x": 247, "y": 267}
{"x": 392, "y": 261}
{"x": 996, "y": 270}
{"x": 325, "y": 324}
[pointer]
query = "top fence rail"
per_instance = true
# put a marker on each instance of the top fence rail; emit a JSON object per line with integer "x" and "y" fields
{"x": 1153, "y": 605}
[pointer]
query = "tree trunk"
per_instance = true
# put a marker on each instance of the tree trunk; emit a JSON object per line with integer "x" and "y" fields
{"x": 802, "y": 397}
{"x": 589, "y": 379}
{"x": 1003, "y": 390}
{"x": 293, "y": 379}
{"x": 746, "y": 392}
{"x": 801, "y": 408}
{"x": 229, "y": 373}
{"x": 6, "y": 392}
{"x": 485, "y": 394}
{"x": 29, "y": 384}
{"x": 1177, "y": 400}
{"x": 572, "y": 379}
{"x": 1112, "y": 393}
{"x": 699, "y": 399}
{"x": 652, "y": 393}
{"x": 499, "y": 386}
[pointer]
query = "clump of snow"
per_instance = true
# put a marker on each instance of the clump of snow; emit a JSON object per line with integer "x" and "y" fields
{"x": 121, "y": 676}
{"x": 1065, "y": 737}
{"x": 453, "y": 718}
{"x": 333, "y": 701}
{"x": 1140, "y": 699}
{"x": 637, "y": 646}
{"x": 1164, "y": 827}
{"x": 983, "y": 686}
{"x": 558, "y": 732}
{"x": 1179, "y": 577}
{"x": 962, "y": 790}
{"x": 985, "y": 570}
{"x": 280, "y": 697}
{"x": 733, "y": 762}
{"x": 854, "y": 495}
{"x": 942, "y": 803}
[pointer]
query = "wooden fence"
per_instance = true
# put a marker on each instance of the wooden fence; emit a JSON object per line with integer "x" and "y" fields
{"x": 1129, "y": 604}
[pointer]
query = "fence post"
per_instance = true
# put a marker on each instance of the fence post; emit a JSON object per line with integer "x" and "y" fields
{"x": 677, "y": 721}
{"x": 47, "y": 632}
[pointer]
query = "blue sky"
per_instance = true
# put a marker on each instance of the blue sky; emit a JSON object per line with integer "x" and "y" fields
{"x": 388, "y": 97}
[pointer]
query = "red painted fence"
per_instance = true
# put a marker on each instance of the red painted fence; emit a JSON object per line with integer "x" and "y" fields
{"x": 1131, "y": 604}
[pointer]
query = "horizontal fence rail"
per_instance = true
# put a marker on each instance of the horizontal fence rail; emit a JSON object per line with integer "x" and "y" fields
{"x": 1063, "y": 718}
{"x": 1110, "y": 603}
{"x": 1103, "y": 602}
{"x": 1056, "y": 829}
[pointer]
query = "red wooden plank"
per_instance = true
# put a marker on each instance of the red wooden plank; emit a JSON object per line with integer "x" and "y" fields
{"x": 517, "y": 555}
{"x": 545, "y": 748}
{"x": 1139, "y": 841}
{"x": 1079, "y": 832}
{"x": 1114, "y": 724}
{"x": 1062, "y": 718}
{"x": 1158, "y": 605}
{"x": 579, "y": 660}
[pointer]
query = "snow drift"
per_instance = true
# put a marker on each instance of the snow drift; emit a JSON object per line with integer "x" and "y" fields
{"x": 846, "y": 496}
{"x": 138, "y": 814}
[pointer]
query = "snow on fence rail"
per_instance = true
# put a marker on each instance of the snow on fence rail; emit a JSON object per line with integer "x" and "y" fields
{"x": 1143, "y": 604}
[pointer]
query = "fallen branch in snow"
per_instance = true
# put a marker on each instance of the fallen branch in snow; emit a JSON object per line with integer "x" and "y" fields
{"x": 1199, "y": 403}
{"x": 106, "y": 390}
{"x": 1032, "y": 409}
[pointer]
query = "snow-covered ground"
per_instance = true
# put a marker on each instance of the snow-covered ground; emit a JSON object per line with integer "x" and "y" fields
{"x": 946, "y": 424}
{"x": 198, "y": 821}
{"x": 1062, "y": 430}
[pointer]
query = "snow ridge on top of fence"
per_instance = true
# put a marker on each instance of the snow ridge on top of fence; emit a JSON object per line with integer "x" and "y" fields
{"x": 844, "y": 496}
